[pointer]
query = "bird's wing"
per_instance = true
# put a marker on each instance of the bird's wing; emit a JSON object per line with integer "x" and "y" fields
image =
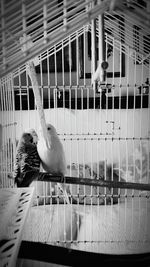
{"x": 33, "y": 159}
{"x": 30, "y": 158}
{"x": 16, "y": 172}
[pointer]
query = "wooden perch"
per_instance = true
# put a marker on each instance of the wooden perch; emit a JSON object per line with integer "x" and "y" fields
{"x": 46, "y": 177}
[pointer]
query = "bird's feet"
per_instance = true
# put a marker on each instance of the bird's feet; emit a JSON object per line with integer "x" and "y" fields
{"x": 62, "y": 179}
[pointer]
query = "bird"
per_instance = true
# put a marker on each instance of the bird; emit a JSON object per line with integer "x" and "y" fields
{"x": 34, "y": 135}
{"x": 27, "y": 161}
{"x": 53, "y": 158}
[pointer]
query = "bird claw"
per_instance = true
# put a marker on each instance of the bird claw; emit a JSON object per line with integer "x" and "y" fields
{"x": 62, "y": 179}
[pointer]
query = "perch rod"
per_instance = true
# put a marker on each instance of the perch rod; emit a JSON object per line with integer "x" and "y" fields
{"x": 46, "y": 177}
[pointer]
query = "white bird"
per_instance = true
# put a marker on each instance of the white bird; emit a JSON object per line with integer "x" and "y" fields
{"x": 53, "y": 158}
{"x": 49, "y": 147}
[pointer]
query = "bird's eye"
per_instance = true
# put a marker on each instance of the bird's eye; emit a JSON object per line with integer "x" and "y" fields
{"x": 48, "y": 128}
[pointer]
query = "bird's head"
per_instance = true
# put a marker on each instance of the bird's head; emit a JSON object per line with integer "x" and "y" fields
{"x": 51, "y": 129}
{"x": 34, "y": 135}
{"x": 51, "y": 132}
{"x": 27, "y": 138}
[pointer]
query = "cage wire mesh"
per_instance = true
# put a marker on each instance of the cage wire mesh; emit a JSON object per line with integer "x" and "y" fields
{"x": 105, "y": 131}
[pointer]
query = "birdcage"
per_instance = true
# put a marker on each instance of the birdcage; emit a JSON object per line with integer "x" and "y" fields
{"x": 92, "y": 65}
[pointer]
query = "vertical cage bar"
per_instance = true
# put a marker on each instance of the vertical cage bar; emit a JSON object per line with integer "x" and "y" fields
{"x": 6, "y": 110}
{"x": 2, "y": 147}
{"x": 126, "y": 134}
{"x": 5, "y": 137}
{"x": 48, "y": 80}
{"x": 105, "y": 189}
{"x": 112, "y": 122}
{"x": 81, "y": 131}
{"x": 88, "y": 110}
{"x": 141, "y": 145}
{"x": 119, "y": 142}
{"x": 106, "y": 104}
{"x": 101, "y": 51}
{"x": 70, "y": 63}
{"x": 111, "y": 191}
{"x": 134, "y": 110}
{"x": 113, "y": 62}
{"x": 91, "y": 156}
{"x": 77, "y": 58}
{"x": 13, "y": 132}
{"x": 133, "y": 144}
{"x": 28, "y": 99}
{"x": 78, "y": 191}
{"x": 63, "y": 73}
{"x": 63, "y": 81}
{"x": 141, "y": 96}
{"x": 70, "y": 158}
{"x": 84, "y": 56}
{"x": 84, "y": 187}
{"x": 20, "y": 101}
{"x": 41, "y": 80}
{"x": 93, "y": 47}
{"x": 55, "y": 62}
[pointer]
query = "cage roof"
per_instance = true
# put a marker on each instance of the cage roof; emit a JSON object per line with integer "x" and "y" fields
{"x": 49, "y": 22}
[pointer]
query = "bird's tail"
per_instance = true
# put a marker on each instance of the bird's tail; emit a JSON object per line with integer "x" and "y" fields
{"x": 63, "y": 188}
{"x": 66, "y": 196}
